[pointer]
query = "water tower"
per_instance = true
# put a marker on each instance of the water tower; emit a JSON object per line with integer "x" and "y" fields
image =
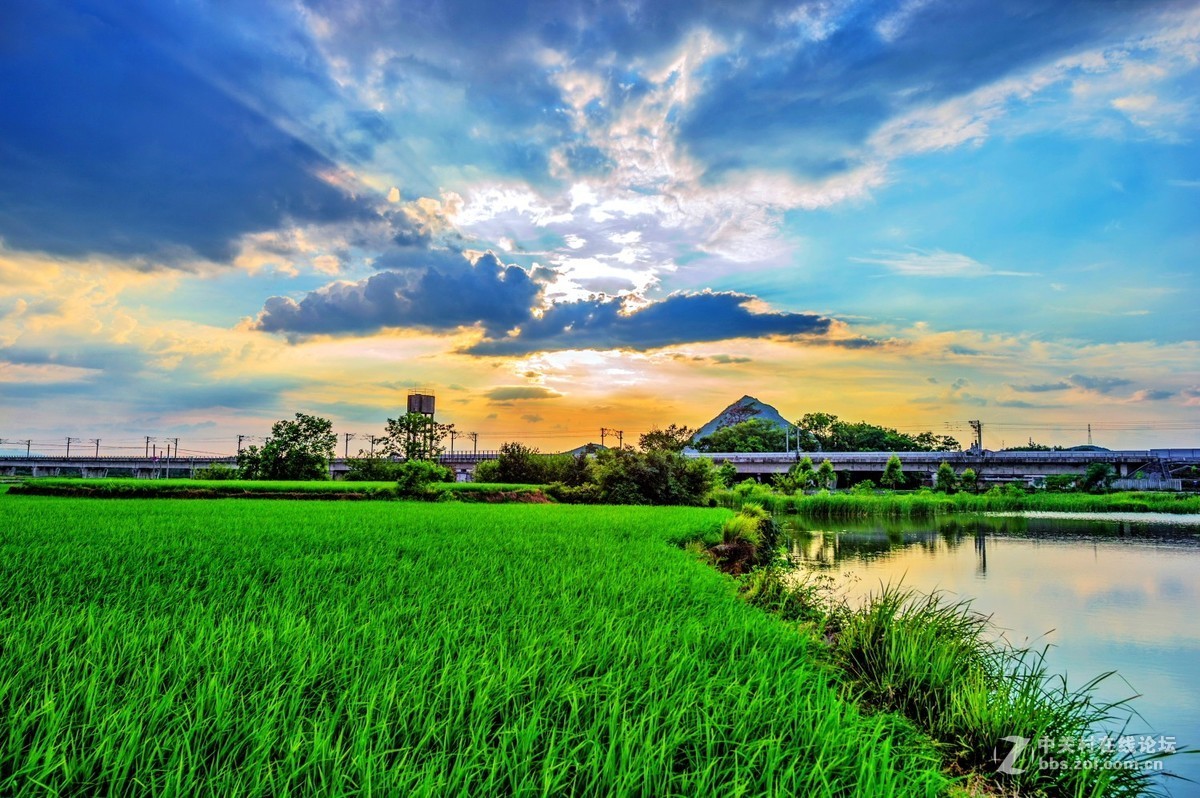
{"x": 422, "y": 401}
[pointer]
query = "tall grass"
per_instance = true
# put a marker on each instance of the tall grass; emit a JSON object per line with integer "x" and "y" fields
{"x": 267, "y": 648}
{"x": 925, "y": 504}
{"x": 941, "y": 665}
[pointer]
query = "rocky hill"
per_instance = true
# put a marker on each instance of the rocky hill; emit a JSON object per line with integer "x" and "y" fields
{"x": 743, "y": 409}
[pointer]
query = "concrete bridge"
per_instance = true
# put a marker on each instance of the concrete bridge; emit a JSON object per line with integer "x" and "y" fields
{"x": 1158, "y": 469}
{"x": 462, "y": 463}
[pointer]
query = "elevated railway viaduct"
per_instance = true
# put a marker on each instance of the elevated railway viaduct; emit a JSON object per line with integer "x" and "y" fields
{"x": 1159, "y": 469}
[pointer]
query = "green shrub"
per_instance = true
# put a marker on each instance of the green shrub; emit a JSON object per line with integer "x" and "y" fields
{"x": 415, "y": 478}
{"x": 217, "y": 471}
{"x": 486, "y": 471}
{"x": 371, "y": 469}
{"x": 574, "y": 494}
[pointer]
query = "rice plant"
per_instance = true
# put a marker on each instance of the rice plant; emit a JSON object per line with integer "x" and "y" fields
{"x": 265, "y": 648}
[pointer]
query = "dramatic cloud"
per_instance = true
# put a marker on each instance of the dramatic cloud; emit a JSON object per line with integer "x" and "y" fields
{"x": 680, "y": 318}
{"x": 490, "y": 294}
{"x": 114, "y": 141}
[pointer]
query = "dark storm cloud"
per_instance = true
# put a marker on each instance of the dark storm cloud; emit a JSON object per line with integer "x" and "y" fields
{"x": 678, "y": 319}
{"x": 489, "y": 293}
{"x": 125, "y": 132}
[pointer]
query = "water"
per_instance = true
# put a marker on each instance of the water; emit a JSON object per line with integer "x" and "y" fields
{"x": 1105, "y": 593}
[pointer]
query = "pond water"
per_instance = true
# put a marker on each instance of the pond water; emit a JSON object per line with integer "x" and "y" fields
{"x": 1107, "y": 594}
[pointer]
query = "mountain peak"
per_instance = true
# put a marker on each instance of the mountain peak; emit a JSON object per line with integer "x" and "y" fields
{"x": 743, "y": 409}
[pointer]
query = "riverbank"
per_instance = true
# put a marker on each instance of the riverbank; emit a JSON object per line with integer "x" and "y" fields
{"x": 925, "y": 503}
{"x": 943, "y": 666}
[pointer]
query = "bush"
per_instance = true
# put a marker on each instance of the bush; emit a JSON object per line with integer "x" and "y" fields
{"x": 414, "y": 477}
{"x": 946, "y": 479}
{"x": 487, "y": 471}
{"x": 1062, "y": 483}
{"x": 371, "y": 469}
{"x": 574, "y": 494}
{"x": 726, "y": 474}
{"x": 1098, "y": 478}
{"x": 655, "y": 477}
{"x": 217, "y": 471}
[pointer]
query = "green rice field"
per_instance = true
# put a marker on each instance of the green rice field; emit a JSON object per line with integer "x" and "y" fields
{"x": 267, "y": 648}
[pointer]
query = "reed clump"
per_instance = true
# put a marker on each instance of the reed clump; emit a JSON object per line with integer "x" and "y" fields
{"x": 942, "y": 666}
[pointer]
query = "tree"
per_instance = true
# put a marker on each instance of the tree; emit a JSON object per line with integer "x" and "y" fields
{"x": 415, "y": 436}
{"x": 826, "y": 475}
{"x": 726, "y": 474}
{"x": 414, "y": 478}
{"x": 671, "y": 439}
{"x": 518, "y": 465}
{"x": 968, "y": 480}
{"x": 893, "y": 474}
{"x": 946, "y": 480}
{"x": 827, "y": 433}
{"x": 755, "y": 435}
{"x": 1098, "y": 478}
{"x": 624, "y": 476}
{"x": 299, "y": 449}
{"x": 801, "y": 476}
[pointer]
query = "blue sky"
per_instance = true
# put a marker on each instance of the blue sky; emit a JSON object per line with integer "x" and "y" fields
{"x": 574, "y": 215}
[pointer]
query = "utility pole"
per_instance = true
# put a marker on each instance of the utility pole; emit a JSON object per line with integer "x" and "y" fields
{"x": 474, "y": 436}
{"x": 69, "y": 442}
{"x": 28, "y": 443}
{"x": 148, "y": 439}
{"x": 618, "y": 433}
{"x": 453, "y": 435}
{"x": 977, "y": 428}
{"x": 1089, "y": 434}
{"x": 97, "y": 442}
{"x": 349, "y": 436}
{"x": 176, "y": 442}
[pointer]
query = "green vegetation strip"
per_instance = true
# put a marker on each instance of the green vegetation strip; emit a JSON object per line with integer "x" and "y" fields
{"x": 924, "y": 504}
{"x": 202, "y": 489}
{"x": 261, "y": 648}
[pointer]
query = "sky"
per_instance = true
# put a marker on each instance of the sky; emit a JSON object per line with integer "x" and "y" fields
{"x": 562, "y": 216}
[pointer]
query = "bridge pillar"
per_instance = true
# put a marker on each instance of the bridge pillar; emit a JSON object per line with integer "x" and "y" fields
{"x": 8, "y": 471}
{"x": 93, "y": 473}
{"x": 1124, "y": 469}
{"x": 143, "y": 473}
{"x": 46, "y": 471}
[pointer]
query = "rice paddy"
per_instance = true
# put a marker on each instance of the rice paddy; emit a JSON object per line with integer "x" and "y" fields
{"x": 262, "y": 648}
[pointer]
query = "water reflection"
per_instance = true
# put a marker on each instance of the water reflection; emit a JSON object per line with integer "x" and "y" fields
{"x": 1106, "y": 595}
